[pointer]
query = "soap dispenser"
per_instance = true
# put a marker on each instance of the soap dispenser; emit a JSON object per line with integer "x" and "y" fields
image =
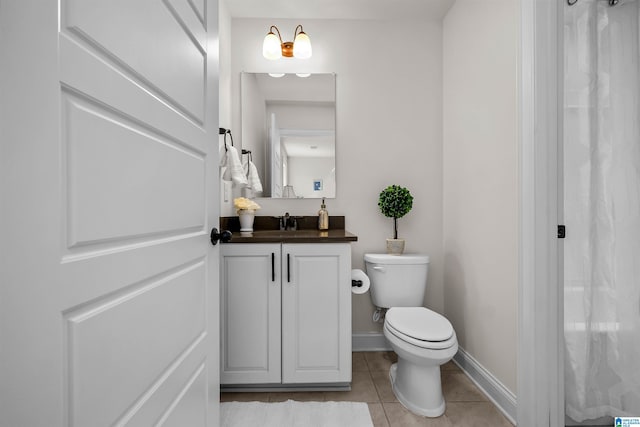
{"x": 323, "y": 217}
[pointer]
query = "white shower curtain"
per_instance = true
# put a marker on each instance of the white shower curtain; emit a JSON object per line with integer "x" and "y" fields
{"x": 602, "y": 209}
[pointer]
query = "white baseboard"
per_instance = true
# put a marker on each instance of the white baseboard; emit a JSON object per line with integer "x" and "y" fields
{"x": 369, "y": 342}
{"x": 495, "y": 391}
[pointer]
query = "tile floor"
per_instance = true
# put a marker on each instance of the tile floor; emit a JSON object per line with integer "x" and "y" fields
{"x": 466, "y": 405}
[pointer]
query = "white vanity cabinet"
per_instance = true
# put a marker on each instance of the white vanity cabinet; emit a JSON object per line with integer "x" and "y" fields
{"x": 286, "y": 314}
{"x": 250, "y": 313}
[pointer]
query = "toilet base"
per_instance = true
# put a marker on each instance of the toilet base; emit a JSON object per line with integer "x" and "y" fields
{"x": 418, "y": 388}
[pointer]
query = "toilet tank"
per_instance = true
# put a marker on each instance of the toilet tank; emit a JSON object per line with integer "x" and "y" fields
{"x": 397, "y": 280}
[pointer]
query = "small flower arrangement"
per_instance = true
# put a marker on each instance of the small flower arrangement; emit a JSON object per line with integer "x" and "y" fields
{"x": 241, "y": 203}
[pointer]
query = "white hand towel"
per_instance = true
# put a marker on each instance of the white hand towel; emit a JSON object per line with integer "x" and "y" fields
{"x": 234, "y": 170}
{"x": 252, "y": 176}
{"x": 223, "y": 156}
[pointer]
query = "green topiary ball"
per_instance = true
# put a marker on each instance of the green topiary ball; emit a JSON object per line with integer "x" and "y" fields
{"x": 395, "y": 201}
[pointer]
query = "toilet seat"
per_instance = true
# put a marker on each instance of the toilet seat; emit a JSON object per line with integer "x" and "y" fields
{"x": 421, "y": 327}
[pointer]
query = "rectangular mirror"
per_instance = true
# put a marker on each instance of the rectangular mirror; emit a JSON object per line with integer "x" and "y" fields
{"x": 289, "y": 125}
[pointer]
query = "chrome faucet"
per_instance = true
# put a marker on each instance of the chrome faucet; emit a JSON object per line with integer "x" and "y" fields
{"x": 288, "y": 222}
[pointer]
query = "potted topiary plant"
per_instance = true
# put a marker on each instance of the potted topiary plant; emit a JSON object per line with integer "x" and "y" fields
{"x": 395, "y": 202}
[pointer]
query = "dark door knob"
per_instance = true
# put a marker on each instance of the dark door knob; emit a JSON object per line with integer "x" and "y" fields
{"x": 224, "y": 236}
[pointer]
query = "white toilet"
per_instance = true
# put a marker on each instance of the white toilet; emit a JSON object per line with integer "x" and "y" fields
{"x": 423, "y": 339}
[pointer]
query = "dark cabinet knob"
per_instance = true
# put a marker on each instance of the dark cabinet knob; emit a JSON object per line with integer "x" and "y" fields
{"x": 224, "y": 236}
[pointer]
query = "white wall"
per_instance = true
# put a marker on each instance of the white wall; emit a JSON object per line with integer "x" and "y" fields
{"x": 309, "y": 116}
{"x": 253, "y": 135}
{"x": 303, "y": 171}
{"x": 389, "y": 129}
{"x": 225, "y": 99}
{"x": 480, "y": 204}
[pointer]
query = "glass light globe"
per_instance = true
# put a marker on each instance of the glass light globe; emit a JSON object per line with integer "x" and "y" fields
{"x": 302, "y": 46}
{"x": 271, "y": 48}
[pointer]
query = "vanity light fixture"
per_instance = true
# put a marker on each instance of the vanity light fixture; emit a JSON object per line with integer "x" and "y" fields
{"x": 303, "y": 75}
{"x": 274, "y": 48}
{"x": 276, "y": 75}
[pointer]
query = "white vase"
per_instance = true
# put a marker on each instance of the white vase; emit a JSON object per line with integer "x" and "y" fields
{"x": 246, "y": 217}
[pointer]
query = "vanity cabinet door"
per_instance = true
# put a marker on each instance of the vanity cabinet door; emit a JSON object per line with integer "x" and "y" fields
{"x": 250, "y": 314}
{"x": 316, "y": 313}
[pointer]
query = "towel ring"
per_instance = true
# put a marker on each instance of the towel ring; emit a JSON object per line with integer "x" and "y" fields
{"x": 223, "y": 131}
{"x": 248, "y": 152}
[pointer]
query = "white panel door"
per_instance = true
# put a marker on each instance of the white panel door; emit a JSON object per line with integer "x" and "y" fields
{"x": 316, "y": 313}
{"x": 109, "y": 297}
{"x": 250, "y": 304}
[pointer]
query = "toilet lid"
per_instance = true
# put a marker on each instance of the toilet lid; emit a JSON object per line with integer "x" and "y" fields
{"x": 419, "y": 323}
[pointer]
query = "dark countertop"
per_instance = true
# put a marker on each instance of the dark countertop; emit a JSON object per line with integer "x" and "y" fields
{"x": 266, "y": 231}
{"x": 297, "y": 236}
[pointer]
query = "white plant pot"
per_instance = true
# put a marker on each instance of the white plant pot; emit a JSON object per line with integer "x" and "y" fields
{"x": 395, "y": 246}
{"x": 246, "y": 217}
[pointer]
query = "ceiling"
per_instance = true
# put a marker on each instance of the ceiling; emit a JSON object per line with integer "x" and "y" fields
{"x": 340, "y": 9}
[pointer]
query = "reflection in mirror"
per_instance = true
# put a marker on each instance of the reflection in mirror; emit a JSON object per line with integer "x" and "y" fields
{"x": 288, "y": 123}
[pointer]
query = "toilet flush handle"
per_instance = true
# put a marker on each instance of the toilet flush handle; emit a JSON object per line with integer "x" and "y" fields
{"x": 380, "y": 269}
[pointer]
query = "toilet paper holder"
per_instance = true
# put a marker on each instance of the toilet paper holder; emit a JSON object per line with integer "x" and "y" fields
{"x": 359, "y": 282}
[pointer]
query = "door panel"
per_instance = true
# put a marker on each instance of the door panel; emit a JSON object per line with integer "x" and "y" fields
{"x": 317, "y": 297}
{"x": 80, "y": 69}
{"x": 109, "y": 304}
{"x": 122, "y": 340}
{"x": 161, "y": 53}
{"x": 115, "y": 186}
{"x": 198, "y": 6}
{"x": 187, "y": 409}
{"x": 181, "y": 388}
